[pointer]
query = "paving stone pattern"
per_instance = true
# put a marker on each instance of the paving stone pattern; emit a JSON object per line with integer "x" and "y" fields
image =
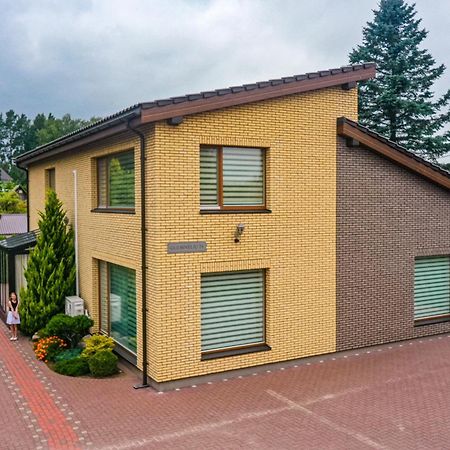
{"x": 388, "y": 397}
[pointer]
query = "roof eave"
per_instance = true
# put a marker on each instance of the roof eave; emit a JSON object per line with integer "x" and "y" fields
{"x": 390, "y": 150}
{"x": 155, "y": 114}
{"x": 91, "y": 134}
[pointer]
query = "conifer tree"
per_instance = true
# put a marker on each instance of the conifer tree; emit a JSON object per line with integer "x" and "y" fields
{"x": 399, "y": 102}
{"x": 50, "y": 272}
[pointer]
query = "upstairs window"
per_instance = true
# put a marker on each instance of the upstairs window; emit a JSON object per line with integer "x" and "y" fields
{"x": 232, "y": 178}
{"x": 115, "y": 178}
{"x": 50, "y": 179}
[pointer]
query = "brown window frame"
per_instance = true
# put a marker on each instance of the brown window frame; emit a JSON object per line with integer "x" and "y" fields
{"x": 49, "y": 178}
{"x": 107, "y": 207}
{"x": 100, "y": 287}
{"x": 247, "y": 348}
{"x": 220, "y": 206}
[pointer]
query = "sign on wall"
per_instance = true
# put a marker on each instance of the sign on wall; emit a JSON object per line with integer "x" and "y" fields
{"x": 186, "y": 247}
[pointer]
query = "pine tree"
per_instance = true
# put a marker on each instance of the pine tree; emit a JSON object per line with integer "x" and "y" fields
{"x": 50, "y": 272}
{"x": 399, "y": 102}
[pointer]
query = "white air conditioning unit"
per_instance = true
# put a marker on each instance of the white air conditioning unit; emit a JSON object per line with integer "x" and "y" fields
{"x": 74, "y": 306}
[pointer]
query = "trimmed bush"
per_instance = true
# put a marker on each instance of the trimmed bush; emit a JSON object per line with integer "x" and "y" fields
{"x": 71, "y": 329}
{"x": 72, "y": 367}
{"x": 70, "y": 353}
{"x": 96, "y": 343}
{"x": 103, "y": 363}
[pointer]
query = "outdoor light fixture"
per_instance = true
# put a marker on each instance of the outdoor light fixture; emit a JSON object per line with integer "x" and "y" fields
{"x": 239, "y": 231}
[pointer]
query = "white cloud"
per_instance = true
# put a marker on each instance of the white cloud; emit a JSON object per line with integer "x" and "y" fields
{"x": 94, "y": 57}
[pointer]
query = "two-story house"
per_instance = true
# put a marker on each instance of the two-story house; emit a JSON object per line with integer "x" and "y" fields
{"x": 250, "y": 225}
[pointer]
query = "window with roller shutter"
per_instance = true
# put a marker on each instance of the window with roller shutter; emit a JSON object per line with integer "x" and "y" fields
{"x": 232, "y": 178}
{"x": 232, "y": 310}
{"x": 432, "y": 288}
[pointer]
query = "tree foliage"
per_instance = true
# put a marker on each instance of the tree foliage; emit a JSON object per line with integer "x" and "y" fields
{"x": 50, "y": 273}
{"x": 19, "y": 134}
{"x": 399, "y": 103}
{"x": 11, "y": 203}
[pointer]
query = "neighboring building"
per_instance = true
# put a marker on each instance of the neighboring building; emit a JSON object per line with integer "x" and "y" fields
{"x": 5, "y": 176}
{"x": 13, "y": 256}
{"x": 11, "y": 224}
{"x": 21, "y": 192}
{"x": 264, "y": 236}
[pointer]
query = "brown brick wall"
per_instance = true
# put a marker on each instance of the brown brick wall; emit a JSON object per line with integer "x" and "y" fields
{"x": 386, "y": 216}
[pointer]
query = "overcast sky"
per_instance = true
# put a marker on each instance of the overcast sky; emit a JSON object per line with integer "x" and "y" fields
{"x": 95, "y": 57}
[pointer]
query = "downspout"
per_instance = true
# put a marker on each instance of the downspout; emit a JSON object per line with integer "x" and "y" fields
{"x": 143, "y": 261}
{"x": 28, "y": 198}
{"x": 75, "y": 207}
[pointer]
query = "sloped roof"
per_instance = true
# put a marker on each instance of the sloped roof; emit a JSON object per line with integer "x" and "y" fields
{"x": 20, "y": 242}
{"x": 13, "y": 224}
{"x": 4, "y": 175}
{"x": 162, "y": 109}
{"x": 391, "y": 150}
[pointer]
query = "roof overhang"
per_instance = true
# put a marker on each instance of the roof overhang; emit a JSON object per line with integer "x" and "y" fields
{"x": 362, "y": 136}
{"x": 167, "y": 109}
{"x": 255, "y": 94}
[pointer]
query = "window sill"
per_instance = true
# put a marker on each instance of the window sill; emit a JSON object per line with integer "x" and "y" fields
{"x": 113, "y": 211}
{"x": 235, "y": 352}
{"x": 235, "y": 211}
{"x": 432, "y": 320}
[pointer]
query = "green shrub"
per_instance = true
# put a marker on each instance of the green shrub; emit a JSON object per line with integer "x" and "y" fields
{"x": 71, "y": 329}
{"x": 103, "y": 363}
{"x": 72, "y": 367}
{"x": 96, "y": 343}
{"x": 70, "y": 353}
{"x": 50, "y": 271}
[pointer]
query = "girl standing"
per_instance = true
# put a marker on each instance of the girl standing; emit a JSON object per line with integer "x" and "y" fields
{"x": 13, "y": 318}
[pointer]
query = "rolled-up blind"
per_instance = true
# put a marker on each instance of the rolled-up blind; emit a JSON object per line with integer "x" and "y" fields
{"x": 243, "y": 176}
{"x": 232, "y": 310}
{"x": 431, "y": 287}
{"x": 208, "y": 177}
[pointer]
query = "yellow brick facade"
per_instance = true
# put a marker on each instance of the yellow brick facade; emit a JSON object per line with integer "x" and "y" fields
{"x": 295, "y": 243}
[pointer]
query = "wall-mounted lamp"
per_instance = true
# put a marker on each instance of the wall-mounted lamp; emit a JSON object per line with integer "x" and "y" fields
{"x": 239, "y": 231}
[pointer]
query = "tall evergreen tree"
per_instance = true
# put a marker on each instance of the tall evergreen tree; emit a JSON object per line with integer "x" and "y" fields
{"x": 399, "y": 102}
{"x": 50, "y": 273}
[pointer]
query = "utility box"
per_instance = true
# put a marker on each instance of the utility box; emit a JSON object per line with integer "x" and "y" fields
{"x": 74, "y": 306}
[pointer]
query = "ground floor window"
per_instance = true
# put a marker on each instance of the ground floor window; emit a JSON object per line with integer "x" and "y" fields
{"x": 232, "y": 310}
{"x": 118, "y": 303}
{"x": 432, "y": 287}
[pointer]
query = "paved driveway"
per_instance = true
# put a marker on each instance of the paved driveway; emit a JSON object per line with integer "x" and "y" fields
{"x": 390, "y": 397}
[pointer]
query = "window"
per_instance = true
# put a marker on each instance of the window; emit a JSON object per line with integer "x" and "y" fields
{"x": 118, "y": 304}
{"x": 115, "y": 181}
{"x": 232, "y": 310}
{"x": 432, "y": 287}
{"x": 50, "y": 181}
{"x": 232, "y": 178}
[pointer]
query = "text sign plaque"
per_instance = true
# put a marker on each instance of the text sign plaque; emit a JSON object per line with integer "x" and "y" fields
{"x": 186, "y": 247}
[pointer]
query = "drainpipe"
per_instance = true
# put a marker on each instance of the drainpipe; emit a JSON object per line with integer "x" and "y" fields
{"x": 143, "y": 261}
{"x": 28, "y": 198}
{"x": 75, "y": 207}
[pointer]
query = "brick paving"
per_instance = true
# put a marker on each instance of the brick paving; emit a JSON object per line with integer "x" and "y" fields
{"x": 389, "y": 397}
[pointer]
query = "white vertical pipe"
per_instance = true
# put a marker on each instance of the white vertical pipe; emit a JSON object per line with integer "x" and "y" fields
{"x": 75, "y": 200}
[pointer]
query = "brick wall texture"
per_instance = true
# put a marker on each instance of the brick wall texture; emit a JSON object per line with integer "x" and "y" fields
{"x": 386, "y": 216}
{"x": 296, "y": 243}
